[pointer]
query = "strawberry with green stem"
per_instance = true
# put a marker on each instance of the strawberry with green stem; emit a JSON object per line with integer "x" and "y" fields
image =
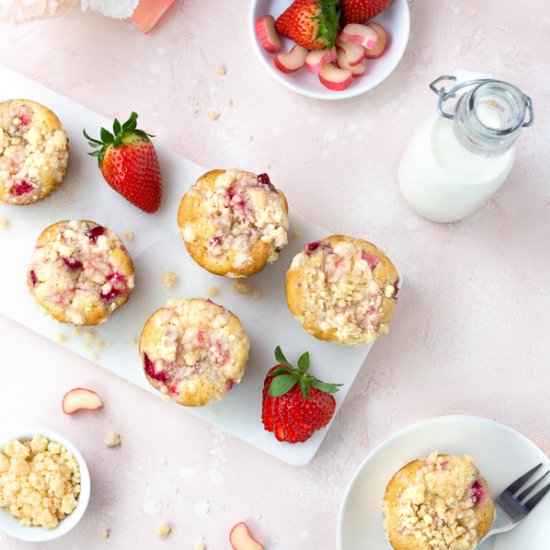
{"x": 313, "y": 24}
{"x": 128, "y": 161}
{"x": 295, "y": 403}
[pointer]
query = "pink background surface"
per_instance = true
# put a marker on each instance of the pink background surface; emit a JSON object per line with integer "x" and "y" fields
{"x": 471, "y": 330}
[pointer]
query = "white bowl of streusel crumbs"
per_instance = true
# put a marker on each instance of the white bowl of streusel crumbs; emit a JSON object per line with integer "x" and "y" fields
{"x": 44, "y": 485}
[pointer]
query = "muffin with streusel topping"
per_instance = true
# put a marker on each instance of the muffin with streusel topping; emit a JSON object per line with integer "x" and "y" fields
{"x": 440, "y": 502}
{"x": 34, "y": 152}
{"x": 80, "y": 272}
{"x": 233, "y": 222}
{"x": 194, "y": 351}
{"x": 342, "y": 290}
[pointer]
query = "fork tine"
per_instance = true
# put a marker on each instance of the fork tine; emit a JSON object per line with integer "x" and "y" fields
{"x": 520, "y": 481}
{"x": 534, "y": 500}
{"x": 521, "y": 496}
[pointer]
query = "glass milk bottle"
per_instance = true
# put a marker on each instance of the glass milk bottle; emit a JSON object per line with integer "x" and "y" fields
{"x": 457, "y": 160}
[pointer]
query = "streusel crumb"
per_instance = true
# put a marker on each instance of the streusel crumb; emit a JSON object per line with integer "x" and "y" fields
{"x": 61, "y": 337}
{"x": 240, "y": 287}
{"x": 212, "y": 291}
{"x": 213, "y": 115}
{"x": 163, "y": 530}
{"x": 4, "y": 223}
{"x": 39, "y": 481}
{"x": 220, "y": 70}
{"x": 104, "y": 535}
{"x": 201, "y": 545}
{"x": 112, "y": 440}
{"x": 169, "y": 279}
{"x": 129, "y": 235}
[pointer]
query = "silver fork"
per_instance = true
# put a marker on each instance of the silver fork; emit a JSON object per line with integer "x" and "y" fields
{"x": 512, "y": 506}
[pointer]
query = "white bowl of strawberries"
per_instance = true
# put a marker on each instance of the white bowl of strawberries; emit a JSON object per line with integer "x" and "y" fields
{"x": 329, "y": 49}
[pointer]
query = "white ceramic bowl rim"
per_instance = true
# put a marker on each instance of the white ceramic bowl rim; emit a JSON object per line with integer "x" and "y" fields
{"x": 11, "y": 525}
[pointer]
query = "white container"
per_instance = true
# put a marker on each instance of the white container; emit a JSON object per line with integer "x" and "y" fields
{"x": 455, "y": 162}
{"x": 11, "y": 525}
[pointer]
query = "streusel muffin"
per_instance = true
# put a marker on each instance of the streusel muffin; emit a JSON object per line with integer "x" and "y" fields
{"x": 34, "y": 152}
{"x": 342, "y": 290}
{"x": 80, "y": 272}
{"x": 193, "y": 351}
{"x": 233, "y": 222}
{"x": 437, "y": 503}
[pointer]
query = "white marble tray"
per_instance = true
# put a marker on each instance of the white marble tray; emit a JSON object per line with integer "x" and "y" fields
{"x": 157, "y": 247}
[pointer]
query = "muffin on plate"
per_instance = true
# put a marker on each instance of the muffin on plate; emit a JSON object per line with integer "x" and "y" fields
{"x": 440, "y": 502}
{"x": 193, "y": 351}
{"x": 34, "y": 152}
{"x": 233, "y": 222}
{"x": 80, "y": 272}
{"x": 342, "y": 290}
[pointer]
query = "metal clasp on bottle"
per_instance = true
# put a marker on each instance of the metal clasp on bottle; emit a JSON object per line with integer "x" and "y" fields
{"x": 444, "y": 95}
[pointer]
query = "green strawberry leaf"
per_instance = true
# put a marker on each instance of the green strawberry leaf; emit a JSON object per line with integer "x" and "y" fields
{"x": 304, "y": 386}
{"x": 303, "y": 362}
{"x": 324, "y": 387}
{"x": 106, "y": 136}
{"x": 116, "y": 127}
{"x": 281, "y": 358}
{"x": 280, "y": 370}
{"x": 282, "y": 384}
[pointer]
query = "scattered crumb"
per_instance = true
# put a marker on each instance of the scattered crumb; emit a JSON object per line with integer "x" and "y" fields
{"x": 256, "y": 294}
{"x": 94, "y": 356}
{"x": 77, "y": 331}
{"x": 129, "y": 235}
{"x": 61, "y": 338}
{"x": 100, "y": 344}
{"x": 133, "y": 341}
{"x": 169, "y": 279}
{"x": 212, "y": 291}
{"x": 220, "y": 70}
{"x": 230, "y": 103}
{"x": 163, "y": 530}
{"x": 213, "y": 115}
{"x": 112, "y": 440}
{"x": 165, "y": 398}
{"x": 89, "y": 336}
{"x": 241, "y": 287}
{"x": 4, "y": 223}
{"x": 201, "y": 545}
{"x": 295, "y": 234}
{"x": 104, "y": 535}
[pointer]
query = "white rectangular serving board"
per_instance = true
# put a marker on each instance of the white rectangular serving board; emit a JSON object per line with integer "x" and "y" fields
{"x": 157, "y": 247}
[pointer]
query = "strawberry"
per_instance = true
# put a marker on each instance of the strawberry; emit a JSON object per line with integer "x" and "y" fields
{"x": 313, "y": 24}
{"x": 360, "y": 11}
{"x": 294, "y": 403}
{"x": 129, "y": 163}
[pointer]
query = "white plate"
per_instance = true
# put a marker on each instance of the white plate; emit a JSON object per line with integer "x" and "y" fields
{"x": 158, "y": 247}
{"x": 11, "y": 525}
{"x": 500, "y": 453}
{"x": 395, "y": 19}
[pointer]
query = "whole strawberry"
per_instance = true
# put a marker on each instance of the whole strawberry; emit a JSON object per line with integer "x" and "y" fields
{"x": 360, "y": 11}
{"x": 295, "y": 404}
{"x": 313, "y": 24}
{"x": 129, "y": 163}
